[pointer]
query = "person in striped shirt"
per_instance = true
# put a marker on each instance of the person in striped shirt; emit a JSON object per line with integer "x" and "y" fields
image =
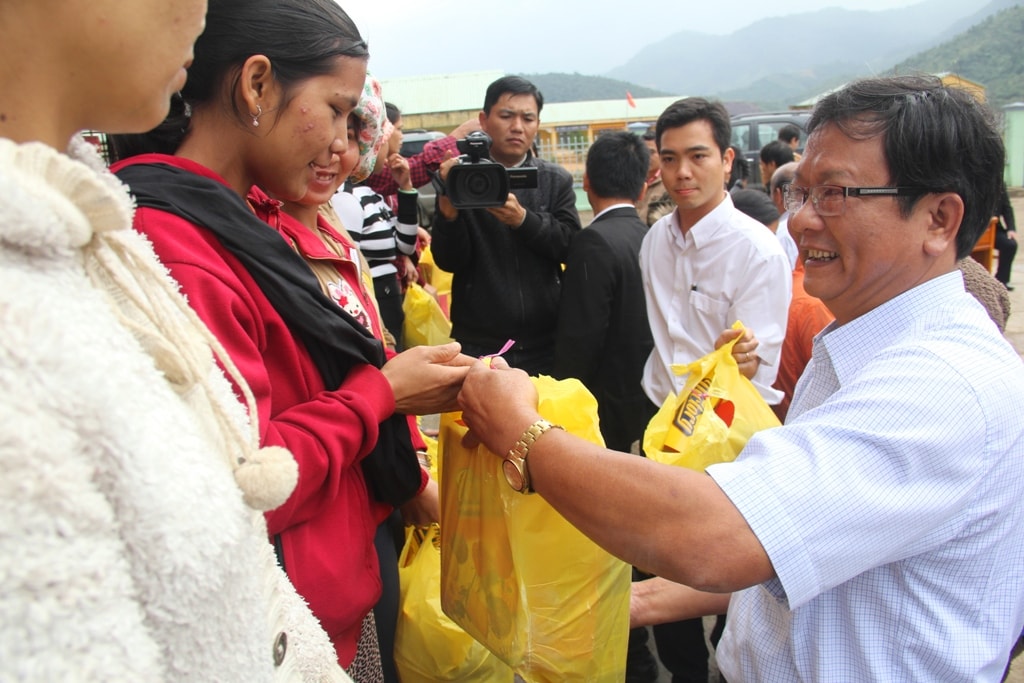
{"x": 388, "y": 235}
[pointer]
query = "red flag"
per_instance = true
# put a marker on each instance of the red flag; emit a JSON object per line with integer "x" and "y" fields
{"x": 630, "y": 100}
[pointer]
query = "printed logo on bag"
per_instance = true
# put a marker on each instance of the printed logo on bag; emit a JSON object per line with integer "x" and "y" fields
{"x": 685, "y": 418}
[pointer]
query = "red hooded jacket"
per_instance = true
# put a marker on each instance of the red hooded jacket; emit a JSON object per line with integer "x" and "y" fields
{"x": 327, "y": 526}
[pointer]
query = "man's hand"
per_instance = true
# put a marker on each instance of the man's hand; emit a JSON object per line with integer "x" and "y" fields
{"x": 444, "y": 205}
{"x": 659, "y": 601}
{"x": 427, "y": 379}
{"x": 497, "y": 403}
{"x": 511, "y": 214}
{"x": 743, "y": 351}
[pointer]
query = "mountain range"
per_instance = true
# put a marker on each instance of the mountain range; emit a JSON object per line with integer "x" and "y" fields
{"x": 781, "y": 61}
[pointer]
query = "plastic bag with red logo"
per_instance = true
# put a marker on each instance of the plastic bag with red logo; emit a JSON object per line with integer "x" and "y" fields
{"x": 712, "y": 418}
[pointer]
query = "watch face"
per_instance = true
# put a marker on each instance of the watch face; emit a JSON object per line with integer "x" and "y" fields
{"x": 513, "y": 475}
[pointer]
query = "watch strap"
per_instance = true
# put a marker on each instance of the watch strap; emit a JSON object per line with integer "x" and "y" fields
{"x": 521, "y": 449}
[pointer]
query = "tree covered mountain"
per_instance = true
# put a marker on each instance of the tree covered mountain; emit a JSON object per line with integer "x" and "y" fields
{"x": 778, "y": 62}
{"x": 579, "y": 88}
{"x": 989, "y": 53}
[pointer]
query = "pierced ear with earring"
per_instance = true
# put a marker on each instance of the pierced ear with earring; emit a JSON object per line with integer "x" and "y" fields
{"x": 256, "y": 116}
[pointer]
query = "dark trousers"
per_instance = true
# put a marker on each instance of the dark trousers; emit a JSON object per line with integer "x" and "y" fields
{"x": 682, "y": 650}
{"x": 641, "y": 666}
{"x": 681, "y": 645}
{"x": 385, "y": 612}
{"x": 1007, "y": 250}
{"x": 388, "y": 292}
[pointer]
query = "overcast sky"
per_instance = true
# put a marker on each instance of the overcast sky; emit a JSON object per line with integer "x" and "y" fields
{"x": 418, "y": 37}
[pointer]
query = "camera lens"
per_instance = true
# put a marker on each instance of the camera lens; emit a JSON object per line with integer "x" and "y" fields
{"x": 478, "y": 185}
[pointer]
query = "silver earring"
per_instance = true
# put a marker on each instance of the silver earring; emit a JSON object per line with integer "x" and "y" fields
{"x": 256, "y": 116}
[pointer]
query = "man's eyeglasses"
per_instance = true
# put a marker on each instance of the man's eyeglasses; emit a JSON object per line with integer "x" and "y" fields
{"x": 830, "y": 200}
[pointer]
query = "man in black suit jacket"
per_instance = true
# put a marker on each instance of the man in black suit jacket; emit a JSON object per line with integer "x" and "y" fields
{"x": 603, "y": 338}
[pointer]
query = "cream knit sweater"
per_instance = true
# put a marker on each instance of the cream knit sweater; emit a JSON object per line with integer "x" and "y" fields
{"x": 128, "y": 551}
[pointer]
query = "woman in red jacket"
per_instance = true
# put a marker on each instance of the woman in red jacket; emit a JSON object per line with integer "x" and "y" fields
{"x": 267, "y": 104}
{"x": 315, "y": 232}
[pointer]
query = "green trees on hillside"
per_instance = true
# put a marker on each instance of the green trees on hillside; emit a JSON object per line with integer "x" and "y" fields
{"x": 989, "y": 53}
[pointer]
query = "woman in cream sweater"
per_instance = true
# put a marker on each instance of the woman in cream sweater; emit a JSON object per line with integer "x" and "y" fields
{"x": 131, "y": 526}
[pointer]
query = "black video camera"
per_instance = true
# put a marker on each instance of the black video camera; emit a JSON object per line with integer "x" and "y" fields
{"x": 477, "y": 181}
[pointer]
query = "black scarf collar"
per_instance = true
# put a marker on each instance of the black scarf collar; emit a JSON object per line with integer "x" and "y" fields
{"x": 335, "y": 340}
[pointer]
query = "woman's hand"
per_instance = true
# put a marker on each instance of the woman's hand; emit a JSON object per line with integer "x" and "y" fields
{"x": 424, "y": 509}
{"x": 427, "y": 379}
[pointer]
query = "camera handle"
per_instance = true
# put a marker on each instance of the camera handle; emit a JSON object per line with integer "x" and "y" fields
{"x": 435, "y": 180}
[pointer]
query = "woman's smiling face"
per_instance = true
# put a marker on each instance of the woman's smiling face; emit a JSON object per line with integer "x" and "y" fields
{"x": 307, "y": 136}
{"x": 325, "y": 182}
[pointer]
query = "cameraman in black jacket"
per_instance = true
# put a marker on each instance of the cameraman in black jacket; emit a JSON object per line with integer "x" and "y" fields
{"x": 506, "y": 261}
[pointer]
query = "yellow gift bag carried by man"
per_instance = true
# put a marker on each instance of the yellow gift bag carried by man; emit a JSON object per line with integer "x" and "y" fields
{"x": 715, "y": 413}
{"x": 515, "y": 574}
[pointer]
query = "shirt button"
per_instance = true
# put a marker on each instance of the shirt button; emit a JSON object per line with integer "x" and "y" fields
{"x": 280, "y": 648}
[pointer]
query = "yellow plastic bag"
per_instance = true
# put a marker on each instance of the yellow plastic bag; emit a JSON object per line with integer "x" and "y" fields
{"x": 441, "y": 280}
{"x": 428, "y": 645}
{"x": 425, "y": 322}
{"x": 712, "y": 418}
{"x": 516, "y": 575}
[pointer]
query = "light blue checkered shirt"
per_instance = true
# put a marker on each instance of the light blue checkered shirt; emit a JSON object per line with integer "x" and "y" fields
{"x": 891, "y": 504}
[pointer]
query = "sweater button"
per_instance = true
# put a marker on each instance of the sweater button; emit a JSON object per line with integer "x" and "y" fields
{"x": 280, "y": 648}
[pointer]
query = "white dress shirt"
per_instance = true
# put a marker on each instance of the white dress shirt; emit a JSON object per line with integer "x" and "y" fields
{"x": 727, "y": 267}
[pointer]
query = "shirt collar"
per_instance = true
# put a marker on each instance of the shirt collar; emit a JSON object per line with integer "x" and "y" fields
{"x": 521, "y": 162}
{"x": 849, "y": 347}
{"x": 612, "y": 208}
{"x": 706, "y": 228}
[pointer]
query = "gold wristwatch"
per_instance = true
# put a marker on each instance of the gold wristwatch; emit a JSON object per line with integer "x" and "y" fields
{"x": 517, "y": 474}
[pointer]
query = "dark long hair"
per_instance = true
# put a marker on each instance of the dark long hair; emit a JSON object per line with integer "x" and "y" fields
{"x": 301, "y": 38}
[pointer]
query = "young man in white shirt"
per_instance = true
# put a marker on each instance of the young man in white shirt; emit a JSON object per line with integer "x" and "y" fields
{"x": 705, "y": 266}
